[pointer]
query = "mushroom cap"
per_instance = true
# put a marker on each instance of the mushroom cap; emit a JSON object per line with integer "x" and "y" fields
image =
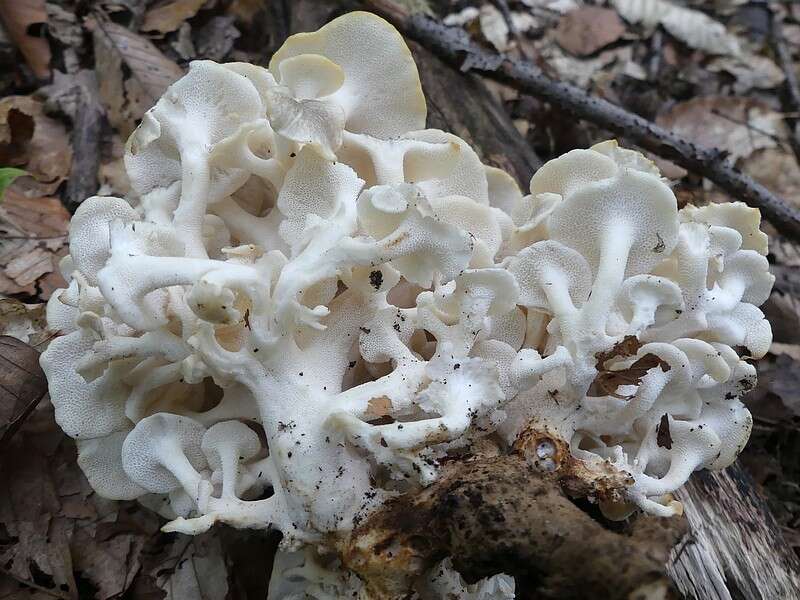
{"x": 417, "y": 244}
{"x": 100, "y": 460}
{"x": 310, "y": 76}
{"x": 149, "y": 444}
{"x": 637, "y": 202}
{"x": 508, "y": 328}
{"x": 641, "y": 296}
{"x": 62, "y": 308}
{"x": 381, "y": 93}
{"x": 749, "y": 269}
{"x": 504, "y": 193}
{"x": 536, "y": 265}
{"x": 233, "y": 435}
{"x": 407, "y": 159}
{"x": 205, "y": 106}
{"x": 466, "y": 177}
{"x": 490, "y": 292}
{"x": 626, "y": 158}
{"x": 745, "y": 325}
{"x": 317, "y": 187}
{"x": 89, "y": 230}
{"x": 83, "y": 409}
{"x": 477, "y": 219}
{"x": 571, "y": 171}
{"x": 736, "y": 215}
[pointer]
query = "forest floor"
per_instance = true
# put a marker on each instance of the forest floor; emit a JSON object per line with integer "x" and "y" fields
{"x": 75, "y": 79}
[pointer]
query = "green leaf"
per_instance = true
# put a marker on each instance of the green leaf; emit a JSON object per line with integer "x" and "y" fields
{"x": 7, "y": 176}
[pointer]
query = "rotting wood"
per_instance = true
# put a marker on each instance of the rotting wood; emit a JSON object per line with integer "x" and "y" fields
{"x": 734, "y": 549}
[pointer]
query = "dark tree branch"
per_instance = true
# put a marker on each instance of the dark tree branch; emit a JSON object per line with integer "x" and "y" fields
{"x": 455, "y": 46}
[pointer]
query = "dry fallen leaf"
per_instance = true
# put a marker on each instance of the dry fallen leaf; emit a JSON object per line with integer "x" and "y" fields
{"x": 195, "y": 569}
{"x": 150, "y": 73}
{"x": 584, "y": 72}
{"x": 739, "y": 126}
{"x": 32, "y": 140}
{"x": 33, "y": 237}
{"x": 25, "y": 322}
{"x": 693, "y": 27}
{"x": 778, "y": 170}
{"x": 215, "y": 39}
{"x": 245, "y": 10}
{"x": 22, "y": 385}
{"x": 167, "y": 17}
{"x": 751, "y": 71}
{"x": 588, "y": 29}
{"x": 494, "y": 27}
{"x": 20, "y": 18}
{"x": 63, "y": 25}
{"x": 56, "y": 531}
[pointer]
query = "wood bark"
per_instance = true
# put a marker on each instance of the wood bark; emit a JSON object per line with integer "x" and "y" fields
{"x": 734, "y": 548}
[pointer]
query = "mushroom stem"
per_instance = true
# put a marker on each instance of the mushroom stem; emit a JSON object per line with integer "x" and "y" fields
{"x": 173, "y": 458}
{"x": 230, "y": 471}
{"x": 557, "y": 292}
{"x": 614, "y": 252}
{"x": 189, "y": 216}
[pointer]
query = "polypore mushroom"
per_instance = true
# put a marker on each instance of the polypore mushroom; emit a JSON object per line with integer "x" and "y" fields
{"x": 390, "y": 306}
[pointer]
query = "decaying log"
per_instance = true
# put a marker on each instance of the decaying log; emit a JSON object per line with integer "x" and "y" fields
{"x": 734, "y": 548}
{"x": 512, "y": 513}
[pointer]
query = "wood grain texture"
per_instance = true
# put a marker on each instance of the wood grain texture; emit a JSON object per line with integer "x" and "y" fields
{"x": 734, "y": 549}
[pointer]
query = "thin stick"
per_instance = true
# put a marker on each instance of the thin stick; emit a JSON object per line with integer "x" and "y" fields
{"x": 455, "y": 46}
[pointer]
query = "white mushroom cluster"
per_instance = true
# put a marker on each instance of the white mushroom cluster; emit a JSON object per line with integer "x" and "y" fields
{"x": 311, "y": 300}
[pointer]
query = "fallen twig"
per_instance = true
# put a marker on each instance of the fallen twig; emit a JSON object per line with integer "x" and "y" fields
{"x": 455, "y": 46}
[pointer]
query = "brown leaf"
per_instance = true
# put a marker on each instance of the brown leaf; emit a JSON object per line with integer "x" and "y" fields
{"x": 215, "y": 39}
{"x": 151, "y": 73}
{"x": 607, "y": 382}
{"x": 26, "y": 322}
{"x": 195, "y": 569}
{"x": 22, "y": 385}
{"x": 663, "y": 436}
{"x": 169, "y": 17}
{"x": 55, "y": 526}
{"x": 608, "y": 379}
{"x": 586, "y": 30}
{"x": 19, "y": 18}
{"x": 738, "y": 126}
{"x": 35, "y": 142}
{"x": 627, "y": 346}
{"x": 33, "y": 237}
{"x": 778, "y": 170}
